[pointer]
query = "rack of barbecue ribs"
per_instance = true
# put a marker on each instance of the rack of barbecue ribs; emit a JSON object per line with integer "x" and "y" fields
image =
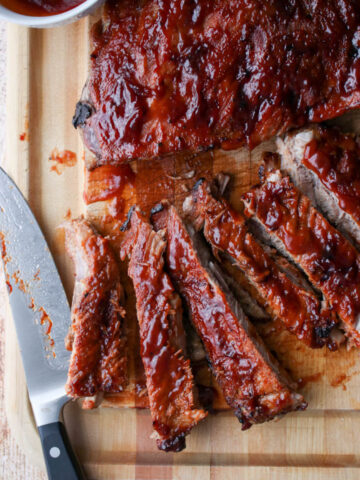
{"x": 253, "y": 383}
{"x": 169, "y": 379}
{"x": 325, "y": 164}
{"x": 176, "y": 76}
{"x": 96, "y": 338}
{"x": 285, "y": 295}
{"x": 286, "y": 218}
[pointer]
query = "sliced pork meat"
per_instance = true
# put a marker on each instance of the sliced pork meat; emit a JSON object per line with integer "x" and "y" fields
{"x": 253, "y": 383}
{"x": 171, "y": 76}
{"x": 324, "y": 164}
{"x": 96, "y": 338}
{"x": 285, "y": 297}
{"x": 169, "y": 379}
{"x": 287, "y": 219}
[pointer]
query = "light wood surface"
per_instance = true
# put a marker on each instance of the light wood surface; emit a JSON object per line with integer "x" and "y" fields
{"x": 47, "y": 70}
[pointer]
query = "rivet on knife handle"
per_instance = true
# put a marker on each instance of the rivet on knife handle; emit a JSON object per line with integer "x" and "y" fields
{"x": 61, "y": 462}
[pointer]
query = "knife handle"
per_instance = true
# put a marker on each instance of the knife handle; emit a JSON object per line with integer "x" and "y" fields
{"x": 61, "y": 462}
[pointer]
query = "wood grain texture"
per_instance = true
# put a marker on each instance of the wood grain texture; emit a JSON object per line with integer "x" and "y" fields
{"x": 48, "y": 69}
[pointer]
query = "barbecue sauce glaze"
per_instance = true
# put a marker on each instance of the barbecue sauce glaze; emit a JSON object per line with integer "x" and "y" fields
{"x": 327, "y": 257}
{"x": 335, "y": 158}
{"x": 171, "y": 76}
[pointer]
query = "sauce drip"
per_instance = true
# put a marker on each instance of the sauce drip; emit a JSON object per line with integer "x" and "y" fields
{"x": 40, "y": 8}
{"x": 65, "y": 158}
{"x": 106, "y": 182}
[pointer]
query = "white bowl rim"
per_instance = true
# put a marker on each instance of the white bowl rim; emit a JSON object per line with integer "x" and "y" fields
{"x": 47, "y": 20}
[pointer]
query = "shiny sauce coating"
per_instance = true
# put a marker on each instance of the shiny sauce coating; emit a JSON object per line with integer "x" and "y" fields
{"x": 98, "y": 361}
{"x": 327, "y": 257}
{"x": 249, "y": 384}
{"x": 335, "y": 158}
{"x": 168, "y": 76}
{"x": 300, "y": 310}
{"x": 169, "y": 379}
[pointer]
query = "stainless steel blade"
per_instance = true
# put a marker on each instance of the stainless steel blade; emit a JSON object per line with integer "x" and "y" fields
{"x": 38, "y": 302}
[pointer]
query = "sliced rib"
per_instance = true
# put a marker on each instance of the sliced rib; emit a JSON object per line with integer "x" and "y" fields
{"x": 329, "y": 260}
{"x": 98, "y": 360}
{"x": 169, "y": 379}
{"x": 178, "y": 75}
{"x": 253, "y": 383}
{"x": 324, "y": 164}
{"x": 285, "y": 297}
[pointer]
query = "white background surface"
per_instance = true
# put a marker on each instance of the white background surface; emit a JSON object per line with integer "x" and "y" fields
{"x": 14, "y": 465}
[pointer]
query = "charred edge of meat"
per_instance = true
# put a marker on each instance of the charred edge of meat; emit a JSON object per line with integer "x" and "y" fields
{"x": 173, "y": 444}
{"x": 157, "y": 209}
{"x": 323, "y": 331}
{"x": 83, "y": 111}
{"x": 125, "y": 225}
{"x": 198, "y": 183}
{"x": 257, "y": 414}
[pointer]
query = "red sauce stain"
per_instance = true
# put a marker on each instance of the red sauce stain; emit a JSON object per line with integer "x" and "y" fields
{"x": 32, "y": 304}
{"x": 340, "y": 380}
{"x": 67, "y": 215}
{"x": 3, "y": 247}
{"x": 19, "y": 281}
{"x": 6, "y": 259}
{"x": 23, "y": 136}
{"x": 37, "y": 275}
{"x": 303, "y": 381}
{"x": 62, "y": 159}
{"x": 107, "y": 182}
{"x": 45, "y": 319}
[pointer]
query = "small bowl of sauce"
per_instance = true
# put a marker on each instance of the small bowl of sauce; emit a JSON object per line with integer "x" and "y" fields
{"x": 46, "y": 13}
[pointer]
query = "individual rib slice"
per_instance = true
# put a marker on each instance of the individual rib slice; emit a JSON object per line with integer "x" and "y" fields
{"x": 296, "y": 306}
{"x": 96, "y": 337}
{"x": 169, "y": 379}
{"x": 329, "y": 260}
{"x": 324, "y": 164}
{"x": 253, "y": 383}
{"x": 178, "y": 75}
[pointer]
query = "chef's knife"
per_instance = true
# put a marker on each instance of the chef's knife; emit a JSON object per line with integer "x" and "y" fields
{"x": 42, "y": 316}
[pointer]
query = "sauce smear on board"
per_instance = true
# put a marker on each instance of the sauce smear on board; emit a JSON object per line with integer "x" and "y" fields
{"x": 40, "y": 8}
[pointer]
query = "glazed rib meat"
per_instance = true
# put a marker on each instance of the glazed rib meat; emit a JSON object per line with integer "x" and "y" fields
{"x": 253, "y": 383}
{"x": 169, "y": 76}
{"x": 324, "y": 164}
{"x": 98, "y": 360}
{"x": 329, "y": 260}
{"x": 169, "y": 379}
{"x": 296, "y": 306}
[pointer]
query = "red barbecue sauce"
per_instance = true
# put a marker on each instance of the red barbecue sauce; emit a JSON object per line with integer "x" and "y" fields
{"x": 40, "y": 8}
{"x": 172, "y": 76}
{"x": 334, "y": 157}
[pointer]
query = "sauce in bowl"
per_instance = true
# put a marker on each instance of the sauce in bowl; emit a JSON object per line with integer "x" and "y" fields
{"x": 40, "y": 8}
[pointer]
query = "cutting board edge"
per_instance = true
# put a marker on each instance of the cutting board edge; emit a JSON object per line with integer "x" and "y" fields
{"x": 20, "y": 419}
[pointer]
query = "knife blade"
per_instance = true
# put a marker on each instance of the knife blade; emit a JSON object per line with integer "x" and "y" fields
{"x": 41, "y": 315}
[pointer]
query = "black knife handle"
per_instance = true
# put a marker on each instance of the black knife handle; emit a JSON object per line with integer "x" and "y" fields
{"x": 61, "y": 462}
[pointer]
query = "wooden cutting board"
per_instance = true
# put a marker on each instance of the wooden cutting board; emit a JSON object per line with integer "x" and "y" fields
{"x": 46, "y": 72}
